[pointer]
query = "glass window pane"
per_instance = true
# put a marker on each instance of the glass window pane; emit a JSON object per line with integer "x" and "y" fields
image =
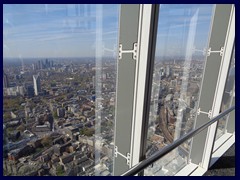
{"x": 182, "y": 39}
{"x": 227, "y": 97}
{"x": 59, "y": 84}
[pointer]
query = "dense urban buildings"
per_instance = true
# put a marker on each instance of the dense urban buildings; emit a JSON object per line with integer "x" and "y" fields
{"x": 48, "y": 131}
{"x": 52, "y": 131}
{"x": 175, "y": 92}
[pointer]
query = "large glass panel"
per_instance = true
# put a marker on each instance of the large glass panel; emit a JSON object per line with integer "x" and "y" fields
{"x": 59, "y": 83}
{"x": 229, "y": 91}
{"x": 182, "y": 38}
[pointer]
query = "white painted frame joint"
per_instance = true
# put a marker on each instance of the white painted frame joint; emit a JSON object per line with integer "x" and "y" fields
{"x": 209, "y": 51}
{"x": 128, "y": 157}
{"x": 134, "y": 51}
{"x": 209, "y": 113}
{"x": 230, "y": 92}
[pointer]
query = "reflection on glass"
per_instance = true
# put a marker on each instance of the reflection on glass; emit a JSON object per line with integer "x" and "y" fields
{"x": 227, "y": 97}
{"x": 183, "y": 32}
{"x": 59, "y": 83}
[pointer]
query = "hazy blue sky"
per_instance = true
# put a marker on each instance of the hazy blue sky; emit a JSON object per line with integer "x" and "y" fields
{"x": 70, "y": 30}
{"x": 58, "y": 30}
{"x": 181, "y": 27}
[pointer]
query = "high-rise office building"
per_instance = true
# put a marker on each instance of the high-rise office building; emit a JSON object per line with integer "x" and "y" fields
{"x": 168, "y": 71}
{"x": 37, "y": 84}
{"x": 30, "y": 90}
{"x": 61, "y": 112}
{"x": 5, "y": 80}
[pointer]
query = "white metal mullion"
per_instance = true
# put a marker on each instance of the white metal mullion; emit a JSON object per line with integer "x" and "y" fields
{"x": 140, "y": 80}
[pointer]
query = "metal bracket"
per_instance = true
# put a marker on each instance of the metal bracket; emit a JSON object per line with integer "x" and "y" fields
{"x": 115, "y": 151}
{"x": 134, "y": 51}
{"x": 210, "y": 51}
{"x": 230, "y": 93}
{"x": 189, "y": 160}
{"x": 209, "y": 113}
{"x": 128, "y": 157}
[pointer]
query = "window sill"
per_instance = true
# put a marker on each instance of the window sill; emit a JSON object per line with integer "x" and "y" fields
{"x": 187, "y": 170}
{"x": 222, "y": 148}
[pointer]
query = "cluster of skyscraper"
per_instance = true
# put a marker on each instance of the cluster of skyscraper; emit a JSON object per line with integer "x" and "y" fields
{"x": 41, "y": 64}
{"x": 29, "y": 89}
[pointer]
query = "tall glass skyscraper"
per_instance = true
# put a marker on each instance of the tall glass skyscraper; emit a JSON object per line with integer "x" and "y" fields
{"x": 5, "y": 80}
{"x": 37, "y": 84}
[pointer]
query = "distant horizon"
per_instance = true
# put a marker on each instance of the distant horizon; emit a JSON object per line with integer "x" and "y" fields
{"x": 168, "y": 58}
{"x": 62, "y": 57}
{"x": 37, "y": 58}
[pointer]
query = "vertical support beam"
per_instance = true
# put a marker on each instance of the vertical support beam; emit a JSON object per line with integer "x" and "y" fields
{"x": 215, "y": 74}
{"x": 128, "y": 36}
{"x": 143, "y": 86}
{"x": 134, "y": 47}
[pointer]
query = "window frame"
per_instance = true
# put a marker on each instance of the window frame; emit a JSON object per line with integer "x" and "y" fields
{"x": 145, "y": 64}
